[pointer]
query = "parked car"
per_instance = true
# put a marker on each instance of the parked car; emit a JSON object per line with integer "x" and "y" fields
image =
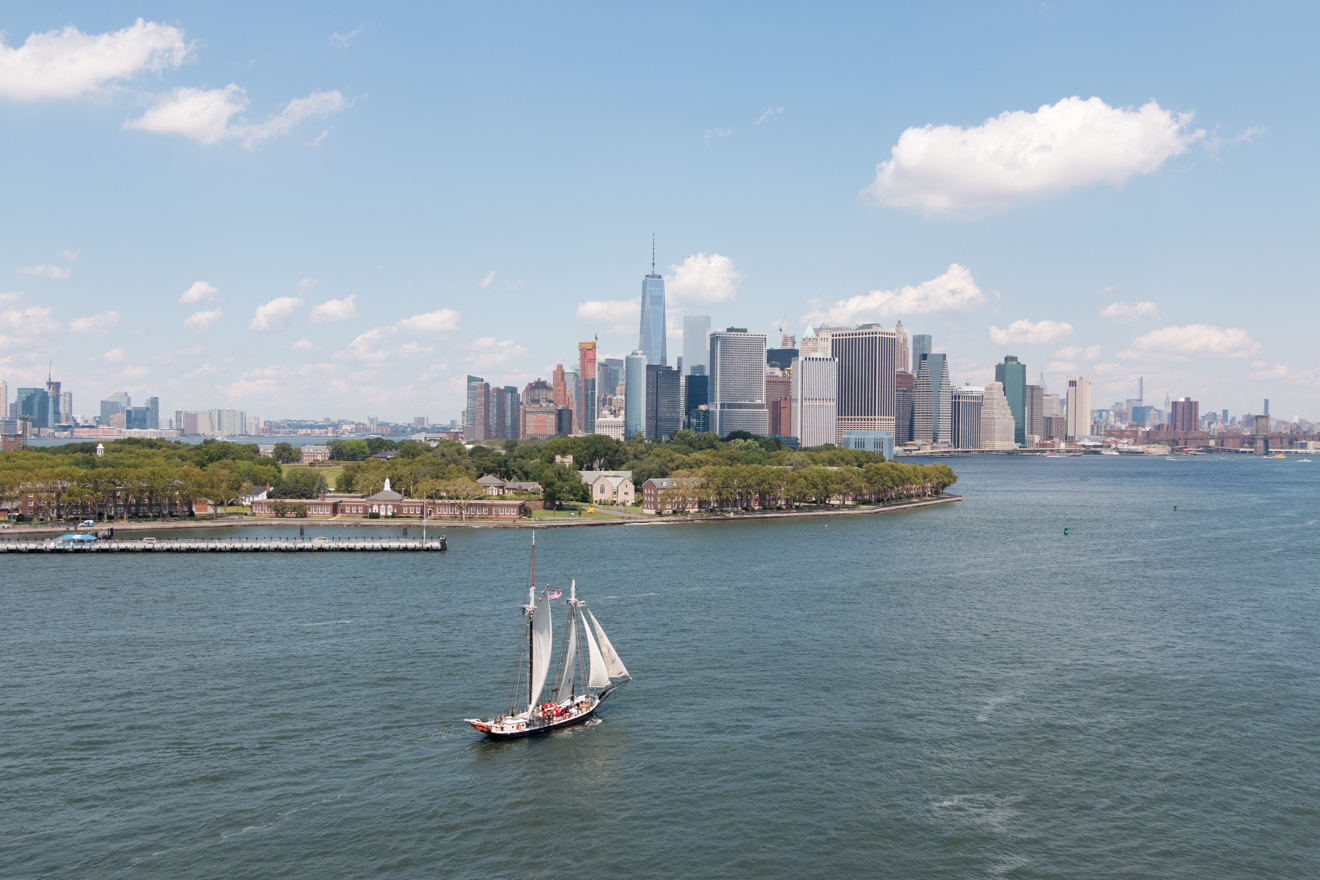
{"x": 86, "y": 523}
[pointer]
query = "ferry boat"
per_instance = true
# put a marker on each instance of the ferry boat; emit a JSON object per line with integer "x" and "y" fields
{"x": 569, "y": 704}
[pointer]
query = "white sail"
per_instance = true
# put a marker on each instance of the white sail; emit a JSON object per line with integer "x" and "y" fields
{"x": 570, "y": 660}
{"x": 613, "y": 664}
{"x": 600, "y": 676}
{"x": 542, "y": 642}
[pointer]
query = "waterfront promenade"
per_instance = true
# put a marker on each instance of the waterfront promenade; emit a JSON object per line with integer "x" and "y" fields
{"x": 228, "y": 545}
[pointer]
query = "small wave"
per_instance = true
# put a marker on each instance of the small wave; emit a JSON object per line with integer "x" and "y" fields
{"x": 325, "y": 623}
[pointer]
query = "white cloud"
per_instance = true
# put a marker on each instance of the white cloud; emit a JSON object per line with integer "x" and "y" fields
{"x": 341, "y": 41}
{"x": 1026, "y": 333}
{"x": 1214, "y": 143}
{"x": 954, "y": 291}
{"x": 487, "y": 352}
{"x": 486, "y": 282}
{"x": 1073, "y": 352}
{"x": 190, "y": 351}
{"x": 199, "y": 292}
{"x": 199, "y": 322}
{"x": 1194, "y": 339}
{"x": 113, "y": 356}
{"x": 1124, "y": 313}
{"x": 702, "y": 280}
{"x": 614, "y": 315}
{"x": 46, "y": 271}
{"x": 304, "y": 344}
{"x": 203, "y": 370}
{"x": 716, "y": 133}
{"x": 25, "y": 321}
{"x": 334, "y": 310}
{"x": 442, "y": 321}
{"x": 316, "y": 141}
{"x": 208, "y": 115}
{"x": 95, "y": 323}
{"x": 770, "y": 111}
{"x": 369, "y": 346}
{"x": 275, "y": 314}
{"x": 68, "y": 255}
{"x": 305, "y": 286}
{"x": 68, "y": 63}
{"x": 946, "y": 169}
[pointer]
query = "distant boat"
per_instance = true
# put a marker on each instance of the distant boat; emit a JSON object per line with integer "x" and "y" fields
{"x": 569, "y": 704}
{"x": 1303, "y": 460}
{"x": 1278, "y": 455}
{"x": 1109, "y": 451}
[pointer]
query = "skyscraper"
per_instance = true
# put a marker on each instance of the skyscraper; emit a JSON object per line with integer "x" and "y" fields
{"x": 587, "y": 372}
{"x": 477, "y": 424}
{"x": 634, "y": 396}
{"x": 815, "y": 419}
{"x": 737, "y": 382}
{"x": 696, "y": 346}
{"x": 35, "y": 404}
{"x": 153, "y": 413}
{"x": 4, "y": 399}
{"x": 866, "y": 378}
{"x": 113, "y": 405}
{"x": 921, "y": 345}
{"x": 53, "y": 391}
{"x": 1033, "y": 415}
{"x": 904, "y": 386}
{"x": 1013, "y": 376}
{"x": 664, "y": 405}
{"x": 1079, "y": 407}
{"x": 66, "y": 407}
{"x": 965, "y": 411}
{"x": 779, "y": 400}
{"x": 932, "y": 401}
{"x": 652, "y": 338}
{"x": 696, "y": 394}
{"x": 902, "y": 349}
{"x": 1184, "y": 414}
{"x": 997, "y": 425}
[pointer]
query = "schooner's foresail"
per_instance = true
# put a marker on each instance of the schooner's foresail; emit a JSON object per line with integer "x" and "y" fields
{"x": 570, "y": 658}
{"x": 600, "y": 677}
{"x": 613, "y": 665}
{"x": 570, "y": 703}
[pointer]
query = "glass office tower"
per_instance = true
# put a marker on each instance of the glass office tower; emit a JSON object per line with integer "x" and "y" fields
{"x": 652, "y": 342}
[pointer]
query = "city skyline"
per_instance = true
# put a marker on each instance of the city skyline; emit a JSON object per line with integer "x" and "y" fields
{"x": 316, "y": 283}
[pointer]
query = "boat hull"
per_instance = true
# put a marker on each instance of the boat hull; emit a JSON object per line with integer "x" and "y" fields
{"x": 485, "y": 726}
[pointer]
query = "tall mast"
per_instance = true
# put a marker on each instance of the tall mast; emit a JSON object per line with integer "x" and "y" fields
{"x": 531, "y": 611}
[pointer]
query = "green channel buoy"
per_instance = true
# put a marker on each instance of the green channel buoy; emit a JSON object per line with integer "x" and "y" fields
{"x": 1175, "y": 507}
{"x": 1065, "y": 530}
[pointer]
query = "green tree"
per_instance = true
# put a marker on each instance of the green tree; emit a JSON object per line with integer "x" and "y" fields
{"x": 284, "y": 453}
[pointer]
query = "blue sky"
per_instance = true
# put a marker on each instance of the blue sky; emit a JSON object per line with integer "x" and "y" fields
{"x": 338, "y": 213}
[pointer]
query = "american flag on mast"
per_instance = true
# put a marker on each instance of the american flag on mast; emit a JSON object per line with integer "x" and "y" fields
{"x": 555, "y": 594}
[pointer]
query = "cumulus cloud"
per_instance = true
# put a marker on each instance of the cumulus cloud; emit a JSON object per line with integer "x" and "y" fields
{"x": 1026, "y": 333}
{"x": 1124, "y": 313}
{"x": 95, "y": 323}
{"x": 486, "y": 282}
{"x": 199, "y": 322}
{"x": 946, "y": 169}
{"x": 113, "y": 356}
{"x": 20, "y": 322}
{"x": 46, "y": 271}
{"x": 441, "y": 321}
{"x": 614, "y": 315}
{"x": 198, "y": 293}
{"x": 275, "y": 314}
{"x": 334, "y": 310}
{"x": 212, "y": 115}
{"x": 488, "y": 352}
{"x": 702, "y": 280}
{"x": 370, "y": 346}
{"x": 304, "y": 345}
{"x": 1194, "y": 339}
{"x": 1073, "y": 352}
{"x": 954, "y": 291}
{"x": 67, "y": 63}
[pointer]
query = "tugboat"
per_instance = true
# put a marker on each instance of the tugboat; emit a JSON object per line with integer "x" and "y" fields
{"x": 569, "y": 704}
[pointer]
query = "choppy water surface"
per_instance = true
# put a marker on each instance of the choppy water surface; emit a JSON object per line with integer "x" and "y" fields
{"x": 955, "y": 692}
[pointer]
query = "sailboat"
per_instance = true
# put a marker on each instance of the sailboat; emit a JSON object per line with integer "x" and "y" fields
{"x": 570, "y": 702}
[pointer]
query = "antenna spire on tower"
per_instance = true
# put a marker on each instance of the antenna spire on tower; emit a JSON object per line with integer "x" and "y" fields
{"x": 652, "y": 253}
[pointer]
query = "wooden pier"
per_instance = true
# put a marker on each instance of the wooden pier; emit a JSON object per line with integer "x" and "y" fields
{"x": 228, "y": 545}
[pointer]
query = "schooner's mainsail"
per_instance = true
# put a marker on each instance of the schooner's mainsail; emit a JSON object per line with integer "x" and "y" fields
{"x": 570, "y": 703}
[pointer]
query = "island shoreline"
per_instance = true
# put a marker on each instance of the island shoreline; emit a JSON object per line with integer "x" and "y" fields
{"x": 242, "y": 521}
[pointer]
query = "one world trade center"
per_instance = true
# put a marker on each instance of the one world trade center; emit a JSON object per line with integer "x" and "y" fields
{"x": 652, "y": 342}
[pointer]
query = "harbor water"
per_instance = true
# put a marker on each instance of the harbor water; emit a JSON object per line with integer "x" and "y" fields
{"x": 958, "y": 691}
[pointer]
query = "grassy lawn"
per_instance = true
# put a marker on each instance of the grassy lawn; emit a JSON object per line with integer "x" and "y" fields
{"x": 599, "y": 513}
{"x": 331, "y": 474}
